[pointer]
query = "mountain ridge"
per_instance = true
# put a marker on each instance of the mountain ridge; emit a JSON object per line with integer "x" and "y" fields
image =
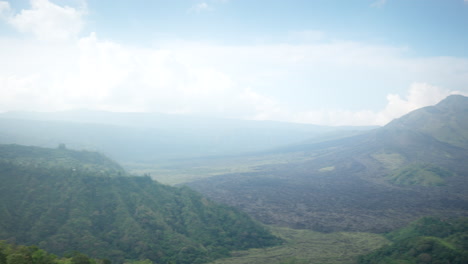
{"x": 375, "y": 181}
{"x": 446, "y": 121}
{"x": 148, "y": 138}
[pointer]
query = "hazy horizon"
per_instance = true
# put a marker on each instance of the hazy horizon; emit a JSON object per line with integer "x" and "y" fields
{"x": 336, "y": 63}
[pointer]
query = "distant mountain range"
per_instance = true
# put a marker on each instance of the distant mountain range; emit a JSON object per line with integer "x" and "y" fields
{"x": 152, "y": 137}
{"x": 64, "y": 200}
{"x": 377, "y": 181}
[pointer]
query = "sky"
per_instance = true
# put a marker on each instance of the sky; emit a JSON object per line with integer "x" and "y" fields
{"x": 326, "y": 62}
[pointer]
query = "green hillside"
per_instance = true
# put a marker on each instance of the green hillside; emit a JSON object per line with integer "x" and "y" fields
{"x": 59, "y": 158}
{"x": 420, "y": 174}
{"x": 446, "y": 121}
{"x": 19, "y": 254}
{"x": 428, "y": 240}
{"x": 70, "y": 205}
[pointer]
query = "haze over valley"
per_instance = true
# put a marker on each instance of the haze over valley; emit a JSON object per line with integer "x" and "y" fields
{"x": 343, "y": 179}
{"x": 233, "y": 131}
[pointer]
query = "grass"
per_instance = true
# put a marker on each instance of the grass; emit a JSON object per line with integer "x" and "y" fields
{"x": 420, "y": 174}
{"x": 306, "y": 246}
{"x": 390, "y": 161}
{"x": 326, "y": 169}
{"x": 181, "y": 171}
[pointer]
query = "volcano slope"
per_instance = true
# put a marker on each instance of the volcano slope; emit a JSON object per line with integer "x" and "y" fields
{"x": 415, "y": 166}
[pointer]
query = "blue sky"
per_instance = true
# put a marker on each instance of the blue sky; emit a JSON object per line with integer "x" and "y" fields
{"x": 328, "y": 62}
{"x": 430, "y": 27}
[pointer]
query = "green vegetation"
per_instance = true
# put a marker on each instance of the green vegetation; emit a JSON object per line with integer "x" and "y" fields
{"x": 64, "y": 200}
{"x": 72, "y": 206}
{"x": 423, "y": 174}
{"x": 326, "y": 169}
{"x": 446, "y": 121}
{"x": 306, "y": 246}
{"x": 428, "y": 240}
{"x": 59, "y": 158}
{"x": 390, "y": 161}
{"x": 182, "y": 171}
{"x": 13, "y": 254}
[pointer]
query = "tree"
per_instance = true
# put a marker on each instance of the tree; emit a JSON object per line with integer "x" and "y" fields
{"x": 62, "y": 146}
{"x": 79, "y": 258}
{"x": 3, "y": 259}
{"x": 40, "y": 256}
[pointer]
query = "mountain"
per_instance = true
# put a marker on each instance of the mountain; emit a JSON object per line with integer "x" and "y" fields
{"x": 151, "y": 137}
{"x": 64, "y": 200}
{"x": 447, "y": 121}
{"x": 375, "y": 181}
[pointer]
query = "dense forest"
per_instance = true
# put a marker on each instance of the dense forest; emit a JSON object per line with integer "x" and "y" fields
{"x": 72, "y": 202}
{"x": 20, "y": 254}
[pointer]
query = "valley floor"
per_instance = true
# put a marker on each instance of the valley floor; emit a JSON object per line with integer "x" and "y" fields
{"x": 306, "y": 246}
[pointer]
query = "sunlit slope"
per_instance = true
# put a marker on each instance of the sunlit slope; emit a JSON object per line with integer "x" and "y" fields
{"x": 64, "y": 200}
{"x": 446, "y": 122}
{"x": 375, "y": 181}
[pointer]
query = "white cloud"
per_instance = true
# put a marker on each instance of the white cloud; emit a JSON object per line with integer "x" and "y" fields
{"x": 104, "y": 75}
{"x": 262, "y": 107}
{"x": 252, "y": 82}
{"x": 208, "y": 5}
{"x": 48, "y": 21}
{"x": 306, "y": 36}
{"x": 312, "y": 80}
{"x": 16, "y": 91}
{"x": 379, "y": 3}
{"x": 200, "y": 7}
{"x": 5, "y": 10}
{"x": 419, "y": 95}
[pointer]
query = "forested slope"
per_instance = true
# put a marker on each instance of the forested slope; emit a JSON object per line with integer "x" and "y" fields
{"x": 20, "y": 254}
{"x": 61, "y": 207}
